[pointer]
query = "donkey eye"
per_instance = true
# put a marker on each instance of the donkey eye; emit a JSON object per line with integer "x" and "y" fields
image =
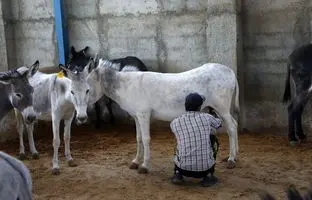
{"x": 87, "y": 91}
{"x": 18, "y": 95}
{"x": 72, "y": 92}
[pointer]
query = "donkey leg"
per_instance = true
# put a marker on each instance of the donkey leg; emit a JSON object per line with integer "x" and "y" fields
{"x": 67, "y": 131}
{"x": 136, "y": 161}
{"x": 231, "y": 126}
{"x": 298, "y": 128}
{"x": 56, "y": 143}
{"x": 294, "y": 116}
{"x": 98, "y": 115}
{"x": 291, "y": 127}
{"x": 30, "y": 132}
{"x": 20, "y": 129}
{"x": 144, "y": 121}
{"x": 236, "y": 135}
{"x": 110, "y": 111}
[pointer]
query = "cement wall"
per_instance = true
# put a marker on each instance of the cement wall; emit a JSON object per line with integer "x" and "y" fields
{"x": 252, "y": 37}
{"x": 167, "y": 35}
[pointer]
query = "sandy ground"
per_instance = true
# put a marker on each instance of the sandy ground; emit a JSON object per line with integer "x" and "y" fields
{"x": 265, "y": 162}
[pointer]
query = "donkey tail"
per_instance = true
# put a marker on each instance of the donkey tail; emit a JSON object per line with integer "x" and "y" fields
{"x": 287, "y": 94}
{"x": 22, "y": 170}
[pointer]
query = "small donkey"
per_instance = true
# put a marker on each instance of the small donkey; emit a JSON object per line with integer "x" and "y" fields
{"x": 54, "y": 100}
{"x": 17, "y": 93}
{"x": 79, "y": 59}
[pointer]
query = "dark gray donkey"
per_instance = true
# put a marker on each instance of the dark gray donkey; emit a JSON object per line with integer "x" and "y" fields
{"x": 15, "y": 179}
{"x": 292, "y": 194}
{"x": 17, "y": 93}
{"x": 300, "y": 75}
{"x": 79, "y": 59}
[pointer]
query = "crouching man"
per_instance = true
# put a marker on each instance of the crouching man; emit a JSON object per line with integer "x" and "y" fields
{"x": 196, "y": 145}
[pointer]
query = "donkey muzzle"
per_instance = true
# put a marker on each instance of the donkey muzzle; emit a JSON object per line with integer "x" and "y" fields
{"x": 30, "y": 119}
{"x": 81, "y": 119}
{"x": 29, "y": 115}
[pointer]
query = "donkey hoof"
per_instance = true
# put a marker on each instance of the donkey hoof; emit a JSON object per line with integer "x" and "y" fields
{"x": 303, "y": 138}
{"x": 22, "y": 156}
{"x": 72, "y": 163}
{"x": 35, "y": 156}
{"x": 225, "y": 159}
{"x": 97, "y": 125}
{"x": 293, "y": 143}
{"x": 143, "y": 170}
{"x": 134, "y": 166}
{"x": 55, "y": 171}
{"x": 230, "y": 164}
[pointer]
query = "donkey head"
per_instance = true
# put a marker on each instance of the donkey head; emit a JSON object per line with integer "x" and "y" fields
{"x": 19, "y": 91}
{"x": 78, "y": 59}
{"x": 80, "y": 90}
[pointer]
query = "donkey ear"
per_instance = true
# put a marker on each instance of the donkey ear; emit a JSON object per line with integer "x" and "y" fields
{"x": 33, "y": 69}
{"x": 293, "y": 193}
{"x": 62, "y": 67}
{"x": 5, "y": 79}
{"x": 90, "y": 66}
{"x": 72, "y": 50}
{"x": 85, "y": 50}
{"x": 96, "y": 58}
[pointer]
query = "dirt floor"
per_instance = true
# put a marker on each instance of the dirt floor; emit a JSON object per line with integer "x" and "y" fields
{"x": 265, "y": 162}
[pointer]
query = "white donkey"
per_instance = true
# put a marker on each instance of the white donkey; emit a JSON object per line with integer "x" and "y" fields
{"x": 54, "y": 100}
{"x": 161, "y": 96}
{"x": 15, "y": 179}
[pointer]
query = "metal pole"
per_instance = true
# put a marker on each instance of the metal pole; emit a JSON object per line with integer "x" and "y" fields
{"x": 61, "y": 31}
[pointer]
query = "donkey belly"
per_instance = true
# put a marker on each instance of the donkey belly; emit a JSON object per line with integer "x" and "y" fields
{"x": 166, "y": 115}
{"x": 66, "y": 111}
{"x": 45, "y": 116}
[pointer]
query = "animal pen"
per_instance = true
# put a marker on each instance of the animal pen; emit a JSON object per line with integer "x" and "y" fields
{"x": 105, "y": 134}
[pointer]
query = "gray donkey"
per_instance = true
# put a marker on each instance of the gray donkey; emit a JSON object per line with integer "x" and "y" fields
{"x": 16, "y": 92}
{"x": 15, "y": 179}
{"x": 55, "y": 100}
{"x": 147, "y": 95}
{"x": 79, "y": 59}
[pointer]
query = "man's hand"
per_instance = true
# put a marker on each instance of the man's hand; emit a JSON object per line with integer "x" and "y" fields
{"x": 212, "y": 112}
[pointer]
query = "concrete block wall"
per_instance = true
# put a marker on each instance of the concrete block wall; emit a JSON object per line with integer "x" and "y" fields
{"x": 169, "y": 36}
{"x": 271, "y": 30}
{"x": 30, "y": 32}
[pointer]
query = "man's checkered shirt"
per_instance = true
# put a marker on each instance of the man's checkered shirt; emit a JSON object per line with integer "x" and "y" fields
{"x": 192, "y": 130}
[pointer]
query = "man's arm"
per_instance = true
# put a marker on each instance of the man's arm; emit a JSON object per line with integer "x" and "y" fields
{"x": 172, "y": 124}
{"x": 215, "y": 122}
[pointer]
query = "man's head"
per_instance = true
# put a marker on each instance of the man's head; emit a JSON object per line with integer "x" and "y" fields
{"x": 194, "y": 101}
